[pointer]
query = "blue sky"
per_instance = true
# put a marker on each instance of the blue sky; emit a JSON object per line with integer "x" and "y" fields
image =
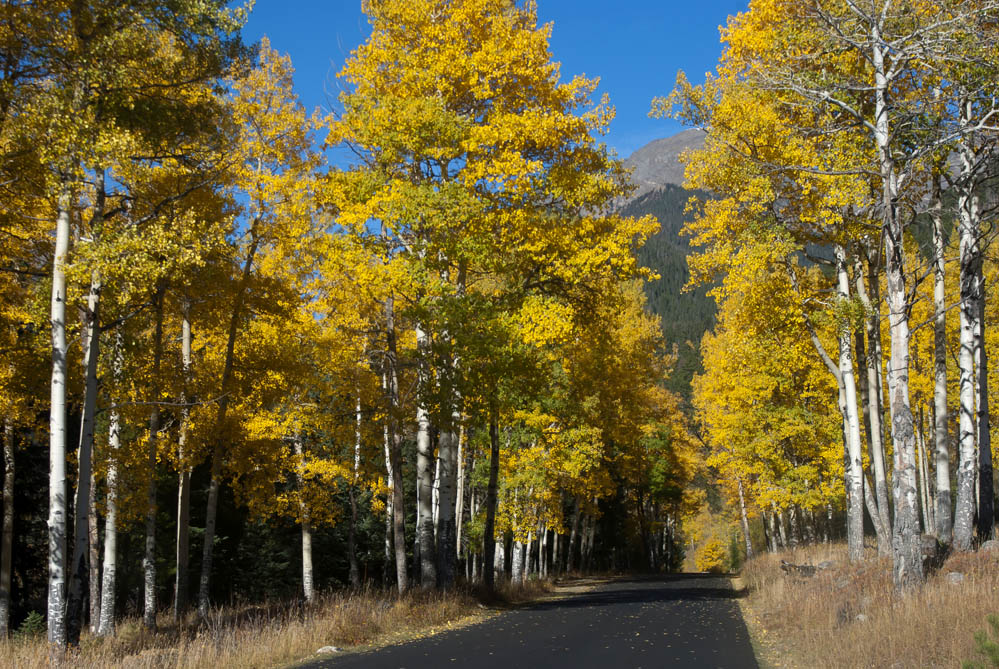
{"x": 635, "y": 47}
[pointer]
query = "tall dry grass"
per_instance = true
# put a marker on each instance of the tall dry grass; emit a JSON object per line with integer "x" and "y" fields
{"x": 272, "y": 635}
{"x": 851, "y": 616}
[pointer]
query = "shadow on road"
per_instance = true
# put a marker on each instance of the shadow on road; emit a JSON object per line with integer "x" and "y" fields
{"x": 649, "y": 589}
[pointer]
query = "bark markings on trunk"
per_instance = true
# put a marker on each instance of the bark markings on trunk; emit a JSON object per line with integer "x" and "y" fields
{"x": 182, "y": 581}
{"x": 57, "y": 431}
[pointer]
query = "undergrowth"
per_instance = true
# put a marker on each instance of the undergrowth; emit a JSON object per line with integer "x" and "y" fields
{"x": 850, "y": 615}
{"x": 269, "y": 635}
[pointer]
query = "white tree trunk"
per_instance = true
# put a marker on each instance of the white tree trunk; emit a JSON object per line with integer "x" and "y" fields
{"x": 425, "y": 471}
{"x": 459, "y": 506}
{"x": 308, "y": 591}
{"x": 79, "y": 572}
{"x": 57, "y": 432}
{"x": 95, "y": 556}
{"x": 389, "y": 482}
{"x": 969, "y": 258}
{"x": 355, "y": 572}
{"x": 106, "y": 624}
{"x": 182, "y": 580}
{"x": 855, "y": 471}
{"x": 943, "y": 527}
{"x": 745, "y": 522}
{"x": 517, "y": 563}
{"x": 906, "y": 546}
{"x": 872, "y": 369}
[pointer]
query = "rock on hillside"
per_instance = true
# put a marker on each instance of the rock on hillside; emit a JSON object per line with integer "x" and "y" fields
{"x": 657, "y": 164}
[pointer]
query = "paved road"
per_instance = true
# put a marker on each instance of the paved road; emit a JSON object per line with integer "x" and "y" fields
{"x": 676, "y": 621}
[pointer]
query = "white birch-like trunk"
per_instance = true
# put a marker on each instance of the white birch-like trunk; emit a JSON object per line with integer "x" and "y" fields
{"x": 183, "y": 556}
{"x": 964, "y": 511}
{"x": 459, "y": 505}
{"x": 57, "y": 432}
{"x": 95, "y": 556}
{"x": 500, "y": 563}
{"x": 517, "y": 563}
{"x": 943, "y": 526}
{"x": 872, "y": 371}
{"x": 424, "y": 472}
{"x": 355, "y": 572}
{"x": 7, "y": 540}
{"x": 79, "y": 571}
{"x": 855, "y": 471}
{"x": 906, "y": 546}
{"x": 105, "y": 626}
{"x": 745, "y": 522}
{"x": 308, "y": 591}
{"x": 389, "y": 483}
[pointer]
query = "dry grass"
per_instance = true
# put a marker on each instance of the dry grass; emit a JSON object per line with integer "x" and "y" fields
{"x": 850, "y": 615}
{"x": 274, "y": 635}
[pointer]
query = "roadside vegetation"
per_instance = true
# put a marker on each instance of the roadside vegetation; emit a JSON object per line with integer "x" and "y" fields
{"x": 277, "y": 634}
{"x": 850, "y": 615}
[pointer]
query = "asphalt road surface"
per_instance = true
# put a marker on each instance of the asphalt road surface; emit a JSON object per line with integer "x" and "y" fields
{"x": 677, "y": 621}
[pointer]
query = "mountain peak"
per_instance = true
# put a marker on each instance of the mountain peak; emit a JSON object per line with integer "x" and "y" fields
{"x": 658, "y": 163}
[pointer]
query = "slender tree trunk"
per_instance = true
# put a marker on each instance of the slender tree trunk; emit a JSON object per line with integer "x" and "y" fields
{"x": 969, "y": 260}
{"x": 855, "y": 472}
{"x": 93, "y": 532}
{"x": 871, "y": 381}
{"x": 355, "y": 572}
{"x": 7, "y": 542}
{"x": 218, "y": 451}
{"x": 488, "y": 532}
{"x": 308, "y": 591}
{"x": 389, "y": 482}
{"x": 745, "y": 522}
{"x": 110, "y": 571}
{"x": 79, "y": 569}
{"x": 543, "y": 553}
{"x": 924, "y": 478}
{"x": 57, "y": 432}
{"x": 424, "y": 471}
{"x": 395, "y": 451}
{"x": 182, "y": 581}
{"x": 459, "y": 506}
{"x": 943, "y": 526}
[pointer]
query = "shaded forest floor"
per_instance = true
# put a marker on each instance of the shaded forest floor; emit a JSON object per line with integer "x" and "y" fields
{"x": 850, "y": 616}
{"x": 277, "y": 635}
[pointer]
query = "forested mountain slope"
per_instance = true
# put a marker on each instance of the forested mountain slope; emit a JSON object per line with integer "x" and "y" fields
{"x": 686, "y": 315}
